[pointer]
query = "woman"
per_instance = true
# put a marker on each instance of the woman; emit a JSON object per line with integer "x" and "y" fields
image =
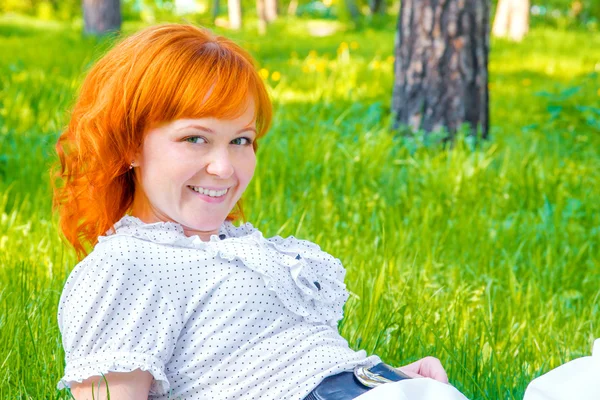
{"x": 174, "y": 301}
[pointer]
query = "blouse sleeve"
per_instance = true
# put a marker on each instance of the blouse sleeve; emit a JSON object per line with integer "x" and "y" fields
{"x": 114, "y": 316}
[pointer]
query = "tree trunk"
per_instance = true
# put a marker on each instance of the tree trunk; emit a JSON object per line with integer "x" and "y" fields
{"x": 215, "y": 10}
{"x": 271, "y": 10}
{"x": 512, "y": 19}
{"x": 352, "y": 9}
{"x": 377, "y": 6}
{"x": 235, "y": 13}
{"x": 441, "y": 68}
{"x": 262, "y": 16}
{"x": 293, "y": 7}
{"x": 348, "y": 11}
{"x": 101, "y": 16}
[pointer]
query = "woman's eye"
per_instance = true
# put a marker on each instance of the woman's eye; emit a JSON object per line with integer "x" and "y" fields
{"x": 195, "y": 139}
{"x": 241, "y": 141}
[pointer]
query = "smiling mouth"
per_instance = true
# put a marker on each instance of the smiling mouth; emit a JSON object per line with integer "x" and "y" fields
{"x": 210, "y": 193}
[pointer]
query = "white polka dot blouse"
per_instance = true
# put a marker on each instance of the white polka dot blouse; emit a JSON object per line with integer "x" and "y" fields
{"x": 236, "y": 317}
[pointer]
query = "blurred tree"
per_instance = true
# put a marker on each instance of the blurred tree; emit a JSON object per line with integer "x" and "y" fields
{"x": 271, "y": 10}
{"x": 261, "y": 13}
{"x": 377, "y": 6}
{"x": 346, "y": 10}
{"x": 215, "y": 10}
{"x": 235, "y": 13}
{"x": 512, "y": 19}
{"x": 101, "y": 16}
{"x": 352, "y": 9}
{"x": 292, "y": 7}
{"x": 441, "y": 67}
{"x": 266, "y": 11}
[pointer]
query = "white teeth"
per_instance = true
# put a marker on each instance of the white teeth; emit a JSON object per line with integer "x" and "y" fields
{"x": 211, "y": 193}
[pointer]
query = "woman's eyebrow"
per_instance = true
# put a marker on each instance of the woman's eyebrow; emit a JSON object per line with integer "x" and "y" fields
{"x": 208, "y": 130}
{"x": 250, "y": 128}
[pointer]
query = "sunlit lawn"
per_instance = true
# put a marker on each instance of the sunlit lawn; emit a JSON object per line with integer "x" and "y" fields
{"x": 484, "y": 256}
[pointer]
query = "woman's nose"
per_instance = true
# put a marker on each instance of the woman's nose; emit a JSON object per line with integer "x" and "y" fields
{"x": 220, "y": 164}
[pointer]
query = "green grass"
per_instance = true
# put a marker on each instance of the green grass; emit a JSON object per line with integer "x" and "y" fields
{"x": 484, "y": 256}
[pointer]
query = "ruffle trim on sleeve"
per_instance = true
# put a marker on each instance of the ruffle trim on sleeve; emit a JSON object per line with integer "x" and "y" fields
{"x": 98, "y": 364}
{"x": 308, "y": 281}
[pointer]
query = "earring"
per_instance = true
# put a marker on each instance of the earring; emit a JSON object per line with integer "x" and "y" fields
{"x": 131, "y": 165}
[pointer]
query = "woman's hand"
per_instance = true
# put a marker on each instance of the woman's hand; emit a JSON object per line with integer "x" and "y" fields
{"x": 428, "y": 367}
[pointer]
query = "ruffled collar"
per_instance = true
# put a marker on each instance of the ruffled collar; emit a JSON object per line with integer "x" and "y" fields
{"x": 172, "y": 233}
{"x": 308, "y": 281}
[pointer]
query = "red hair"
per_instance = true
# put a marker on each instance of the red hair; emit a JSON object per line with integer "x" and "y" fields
{"x": 160, "y": 74}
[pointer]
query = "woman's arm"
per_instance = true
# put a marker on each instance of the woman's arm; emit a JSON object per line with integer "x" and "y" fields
{"x": 133, "y": 385}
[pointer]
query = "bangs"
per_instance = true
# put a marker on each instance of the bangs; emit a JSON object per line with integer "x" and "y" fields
{"x": 214, "y": 81}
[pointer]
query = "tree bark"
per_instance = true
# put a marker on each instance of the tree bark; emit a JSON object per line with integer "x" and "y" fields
{"x": 271, "y": 10}
{"x": 441, "y": 67}
{"x": 293, "y": 7}
{"x": 262, "y": 16}
{"x": 101, "y": 16}
{"x": 512, "y": 19}
{"x": 235, "y": 13}
{"x": 349, "y": 11}
{"x": 215, "y": 10}
{"x": 377, "y": 6}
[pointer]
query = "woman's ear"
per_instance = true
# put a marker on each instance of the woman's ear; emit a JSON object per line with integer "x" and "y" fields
{"x": 135, "y": 157}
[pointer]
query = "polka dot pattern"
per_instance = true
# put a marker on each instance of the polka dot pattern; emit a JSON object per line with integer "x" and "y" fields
{"x": 236, "y": 317}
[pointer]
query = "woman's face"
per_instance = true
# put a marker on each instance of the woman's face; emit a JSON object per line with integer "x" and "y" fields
{"x": 193, "y": 171}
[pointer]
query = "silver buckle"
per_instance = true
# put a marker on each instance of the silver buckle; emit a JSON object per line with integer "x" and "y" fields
{"x": 368, "y": 378}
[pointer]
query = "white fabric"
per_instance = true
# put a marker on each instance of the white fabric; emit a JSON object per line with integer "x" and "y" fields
{"x": 413, "y": 389}
{"x": 239, "y": 316}
{"x": 578, "y": 379}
